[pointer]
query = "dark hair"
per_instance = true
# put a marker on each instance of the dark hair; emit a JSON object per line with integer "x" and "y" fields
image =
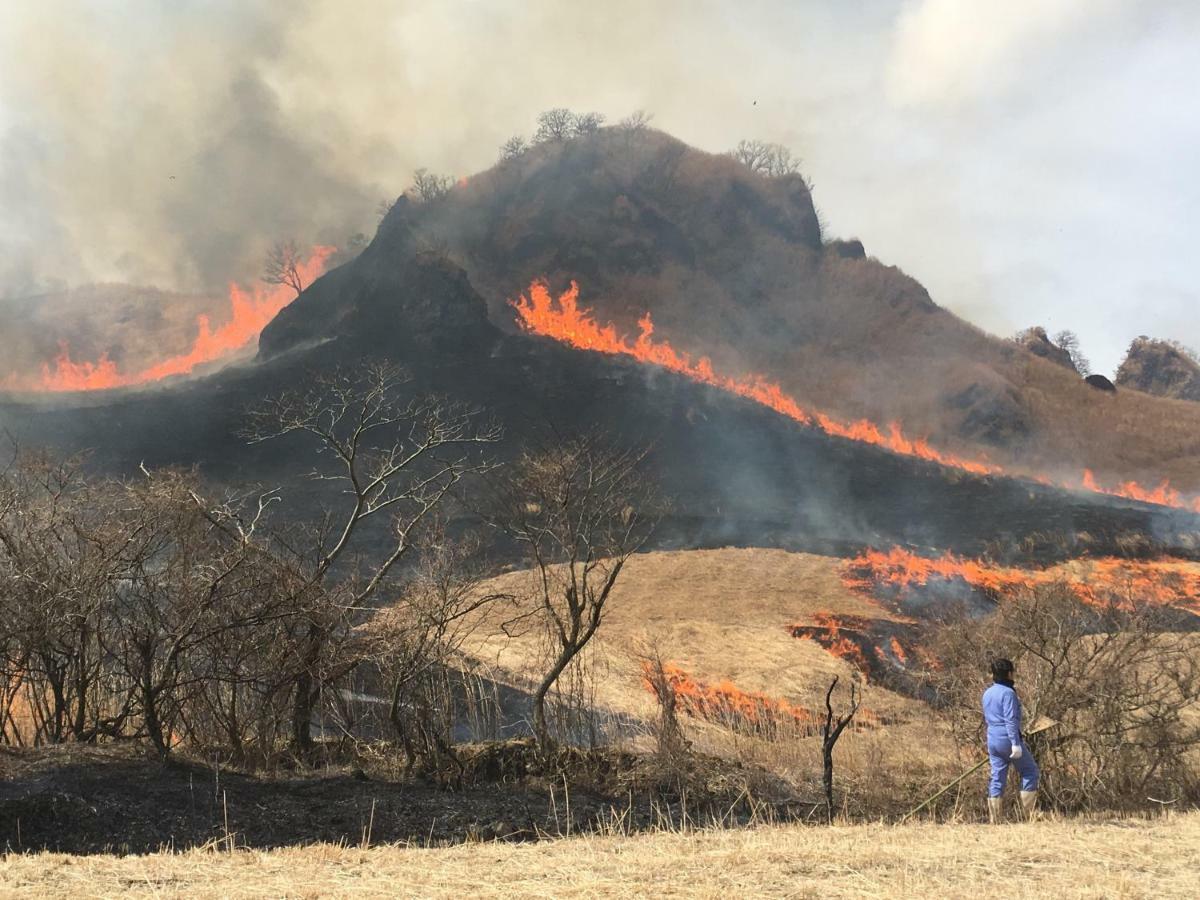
{"x": 1002, "y": 669}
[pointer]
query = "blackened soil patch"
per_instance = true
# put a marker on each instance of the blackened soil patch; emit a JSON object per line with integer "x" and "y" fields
{"x": 119, "y": 799}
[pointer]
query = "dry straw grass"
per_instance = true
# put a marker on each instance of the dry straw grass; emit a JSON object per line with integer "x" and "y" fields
{"x": 1129, "y": 858}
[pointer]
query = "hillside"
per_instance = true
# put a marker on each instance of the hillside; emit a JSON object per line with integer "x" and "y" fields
{"x": 132, "y": 326}
{"x": 722, "y": 616}
{"x": 734, "y": 266}
{"x": 737, "y": 471}
{"x": 729, "y": 262}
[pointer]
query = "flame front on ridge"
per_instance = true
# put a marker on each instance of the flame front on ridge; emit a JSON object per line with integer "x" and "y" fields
{"x": 564, "y": 320}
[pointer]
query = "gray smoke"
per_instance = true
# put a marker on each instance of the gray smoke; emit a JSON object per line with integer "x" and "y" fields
{"x": 1029, "y": 161}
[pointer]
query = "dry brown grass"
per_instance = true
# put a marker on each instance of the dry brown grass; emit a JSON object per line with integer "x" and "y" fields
{"x": 721, "y": 615}
{"x": 1121, "y": 858}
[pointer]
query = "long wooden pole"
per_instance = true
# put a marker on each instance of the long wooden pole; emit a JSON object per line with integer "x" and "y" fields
{"x": 971, "y": 771}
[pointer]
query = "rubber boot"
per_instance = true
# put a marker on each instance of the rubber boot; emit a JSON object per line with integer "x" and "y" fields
{"x": 1029, "y": 805}
{"x": 995, "y": 810}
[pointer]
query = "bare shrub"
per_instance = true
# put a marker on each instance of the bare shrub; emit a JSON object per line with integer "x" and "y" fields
{"x": 428, "y": 186}
{"x": 668, "y": 734}
{"x": 578, "y": 510}
{"x": 1123, "y": 689}
{"x": 762, "y": 158}
{"x": 418, "y": 640}
{"x": 660, "y": 175}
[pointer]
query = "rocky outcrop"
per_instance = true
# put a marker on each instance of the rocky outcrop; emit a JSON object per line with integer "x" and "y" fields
{"x": 1037, "y": 342}
{"x": 397, "y": 297}
{"x": 1100, "y": 383}
{"x": 1162, "y": 368}
{"x": 851, "y": 248}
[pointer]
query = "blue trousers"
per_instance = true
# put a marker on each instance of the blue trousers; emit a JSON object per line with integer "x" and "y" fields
{"x": 999, "y": 750}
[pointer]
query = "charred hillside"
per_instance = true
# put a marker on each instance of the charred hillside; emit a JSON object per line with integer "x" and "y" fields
{"x": 734, "y": 265}
{"x": 738, "y": 473}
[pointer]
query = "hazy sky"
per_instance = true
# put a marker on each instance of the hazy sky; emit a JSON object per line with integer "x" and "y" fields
{"x": 1030, "y": 161}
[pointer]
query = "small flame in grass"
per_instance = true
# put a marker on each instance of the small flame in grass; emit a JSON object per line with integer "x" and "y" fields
{"x": 566, "y": 321}
{"x": 1171, "y": 583}
{"x": 873, "y": 646}
{"x": 249, "y": 313}
{"x": 726, "y": 704}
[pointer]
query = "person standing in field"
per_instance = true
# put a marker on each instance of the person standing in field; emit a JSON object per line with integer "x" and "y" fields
{"x": 1005, "y": 746}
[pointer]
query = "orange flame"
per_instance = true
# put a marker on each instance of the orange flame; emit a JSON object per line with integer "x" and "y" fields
{"x": 564, "y": 320}
{"x": 249, "y": 314}
{"x": 1161, "y": 583}
{"x": 726, "y": 704}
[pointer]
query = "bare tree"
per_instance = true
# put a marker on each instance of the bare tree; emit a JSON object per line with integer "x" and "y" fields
{"x": 513, "y": 147}
{"x": 636, "y": 121}
{"x": 1069, "y": 341}
{"x": 283, "y": 266}
{"x": 579, "y": 510}
{"x": 587, "y": 123}
{"x": 831, "y": 730}
{"x": 556, "y": 124}
{"x": 429, "y": 187}
{"x": 762, "y": 158}
{"x": 395, "y": 461}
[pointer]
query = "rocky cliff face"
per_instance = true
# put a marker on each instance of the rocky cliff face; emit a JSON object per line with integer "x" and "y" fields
{"x": 1037, "y": 342}
{"x": 1160, "y": 368}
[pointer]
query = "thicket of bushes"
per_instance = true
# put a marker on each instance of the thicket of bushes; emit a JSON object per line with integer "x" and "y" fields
{"x": 1114, "y": 685}
{"x": 150, "y": 608}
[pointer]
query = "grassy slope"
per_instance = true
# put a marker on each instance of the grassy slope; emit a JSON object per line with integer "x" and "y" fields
{"x": 1157, "y": 858}
{"x": 720, "y": 615}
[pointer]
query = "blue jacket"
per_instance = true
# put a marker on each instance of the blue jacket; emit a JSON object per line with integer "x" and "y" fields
{"x": 1002, "y": 713}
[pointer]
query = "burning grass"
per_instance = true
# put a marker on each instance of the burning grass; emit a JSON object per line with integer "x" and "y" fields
{"x": 566, "y": 321}
{"x": 249, "y": 313}
{"x": 1167, "y": 583}
{"x": 753, "y": 712}
{"x": 875, "y": 647}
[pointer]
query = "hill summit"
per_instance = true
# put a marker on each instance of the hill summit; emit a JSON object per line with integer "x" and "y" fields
{"x": 733, "y": 263}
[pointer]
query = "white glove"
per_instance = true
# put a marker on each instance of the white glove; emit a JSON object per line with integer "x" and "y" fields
{"x": 1017, "y": 752}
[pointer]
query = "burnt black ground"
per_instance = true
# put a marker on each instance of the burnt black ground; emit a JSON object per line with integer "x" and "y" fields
{"x": 80, "y": 799}
{"x": 737, "y": 473}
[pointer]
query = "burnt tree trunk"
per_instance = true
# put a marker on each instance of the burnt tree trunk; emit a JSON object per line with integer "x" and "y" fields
{"x": 831, "y": 730}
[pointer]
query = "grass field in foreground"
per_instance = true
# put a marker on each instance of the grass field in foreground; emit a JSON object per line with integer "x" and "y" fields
{"x": 1064, "y": 859}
